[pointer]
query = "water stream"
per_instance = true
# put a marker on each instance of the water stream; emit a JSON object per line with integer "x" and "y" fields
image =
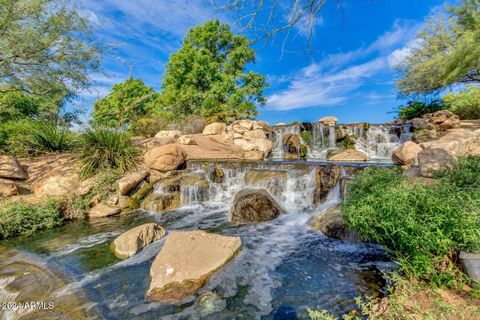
{"x": 283, "y": 267}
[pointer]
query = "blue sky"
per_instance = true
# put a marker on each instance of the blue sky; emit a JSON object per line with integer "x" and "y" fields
{"x": 348, "y": 72}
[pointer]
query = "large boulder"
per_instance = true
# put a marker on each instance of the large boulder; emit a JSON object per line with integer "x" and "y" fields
{"x": 406, "y": 153}
{"x": 130, "y": 181}
{"x": 330, "y": 223}
{"x": 349, "y": 155}
{"x": 292, "y": 142}
{"x": 431, "y": 161}
{"x": 457, "y": 141}
{"x": 133, "y": 240}
{"x": 101, "y": 210}
{"x": 172, "y": 134}
{"x": 264, "y": 145}
{"x": 251, "y": 205}
{"x": 328, "y": 121}
{"x": 254, "y": 135}
{"x": 186, "y": 262}
{"x": 161, "y": 202}
{"x": 10, "y": 168}
{"x": 165, "y": 158}
{"x": 245, "y": 145}
{"x": 326, "y": 178}
{"x": 8, "y": 188}
{"x": 59, "y": 185}
{"x": 215, "y": 128}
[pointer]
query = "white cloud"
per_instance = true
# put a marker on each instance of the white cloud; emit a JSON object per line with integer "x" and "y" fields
{"x": 335, "y": 79}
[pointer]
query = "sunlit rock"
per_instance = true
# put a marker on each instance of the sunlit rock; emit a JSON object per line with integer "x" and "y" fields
{"x": 135, "y": 239}
{"x": 251, "y": 205}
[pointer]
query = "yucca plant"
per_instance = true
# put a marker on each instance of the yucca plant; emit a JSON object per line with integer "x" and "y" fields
{"x": 105, "y": 148}
{"x": 49, "y": 137}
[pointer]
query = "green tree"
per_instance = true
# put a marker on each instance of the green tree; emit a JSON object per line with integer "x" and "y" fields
{"x": 465, "y": 104}
{"x": 128, "y": 101}
{"x": 207, "y": 75}
{"x": 45, "y": 48}
{"x": 447, "y": 52}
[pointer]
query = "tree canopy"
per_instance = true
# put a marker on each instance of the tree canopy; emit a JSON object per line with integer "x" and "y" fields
{"x": 128, "y": 101}
{"x": 447, "y": 52}
{"x": 45, "y": 48}
{"x": 208, "y": 76}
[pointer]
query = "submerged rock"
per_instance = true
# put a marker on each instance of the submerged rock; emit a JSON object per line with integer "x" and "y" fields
{"x": 101, "y": 210}
{"x": 186, "y": 262}
{"x": 130, "y": 242}
{"x": 208, "y": 303}
{"x": 160, "y": 202}
{"x": 326, "y": 178}
{"x": 165, "y": 158}
{"x": 217, "y": 175}
{"x": 251, "y": 205}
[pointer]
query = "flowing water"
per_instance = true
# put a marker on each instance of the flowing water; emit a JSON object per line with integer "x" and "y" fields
{"x": 284, "y": 267}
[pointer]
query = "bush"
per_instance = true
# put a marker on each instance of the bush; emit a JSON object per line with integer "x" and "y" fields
{"x": 416, "y": 109}
{"x": 149, "y": 126}
{"x": 105, "y": 149}
{"x": 25, "y": 138}
{"x": 424, "y": 225}
{"x": 18, "y": 218}
{"x": 194, "y": 124}
{"x": 465, "y": 104}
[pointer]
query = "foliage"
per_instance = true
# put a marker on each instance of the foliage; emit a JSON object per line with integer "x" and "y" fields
{"x": 148, "y": 126}
{"x": 306, "y": 136}
{"x": 47, "y": 47}
{"x": 17, "y": 218}
{"x": 16, "y": 106}
{"x": 416, "y": 109}
{"x": 207, "y": 76}
{"x": 465, "y": 104}
{"x": 424, "y": 225}
{"x": 447, "y": 52}
{"x": 128, "y": 101}
{"x": 194, "y": 124}
{"x": 105, "y": 148}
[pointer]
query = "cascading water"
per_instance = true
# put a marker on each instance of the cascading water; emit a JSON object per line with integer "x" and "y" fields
{"x": 380, "y": 140}
{"x": 283, "y": 266}
{"x": 322, "y": 140}
{"x": 278, "y": 138}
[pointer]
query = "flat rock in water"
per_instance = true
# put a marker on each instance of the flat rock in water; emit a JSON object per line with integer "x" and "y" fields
{"x": 135, "y": 239}
{"x": 186, "y": 262}
{"x": 252, "y": 205}
{"x": 102, "y": 210}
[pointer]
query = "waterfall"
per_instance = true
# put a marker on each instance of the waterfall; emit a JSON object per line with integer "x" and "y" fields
{"x": 380, "y": 140}
{"x": 322, "y": 139}
{"x": 278, "y": 134}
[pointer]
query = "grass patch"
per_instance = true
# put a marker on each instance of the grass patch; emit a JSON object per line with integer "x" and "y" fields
{"x": 18, "y": 218}
{"x": 106, "y": 149}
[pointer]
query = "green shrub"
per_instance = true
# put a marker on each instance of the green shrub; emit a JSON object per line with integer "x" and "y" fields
{"x": 105, "y": 149}
{"x": 17, "y": 218}
{"x": 194, "y": 124}
{"x": 149, "y": 126}
{"x": 421, "y": 224}
{"x": 415, "y": 109}
{"x": 13, "y": 136}
{"x": 465, "y": 104}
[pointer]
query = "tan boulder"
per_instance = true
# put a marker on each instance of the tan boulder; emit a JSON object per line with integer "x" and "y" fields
{"x": 245, "y": 145}
{"x": 186, "y": 262}
{"x": 165, "y": 158}
{"x": 253, "y": 155}
{"x": 215, "y": 128}
{"x": 228, "y": 138}
{"x": 254, "y": 134}
{"x": 457, "y": 141}
{"x": 406, "y": 153}
{"x": 261, "y": 125}
{"x": 130, "y": 181}
{"x": 433, "y": 160}
{"x": 328, "y": 121}
{"x": 246, "y": 124}
{"x": 263, "y": 145}
{"x": 186, "y": 140}
{"x": 133, "y": 240}
{"x": 349, "y": 155}
{"x": 237, "y": 135}
{"x": 101, "y": 210}
{"x": 59, "y": 185}
{"x": 252, "y": 205}
{"x": 8, "y": 188}
{"x": 173, "y": 134}
{"x": 239, "y": 129}
{"x": 10, "y": 168}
